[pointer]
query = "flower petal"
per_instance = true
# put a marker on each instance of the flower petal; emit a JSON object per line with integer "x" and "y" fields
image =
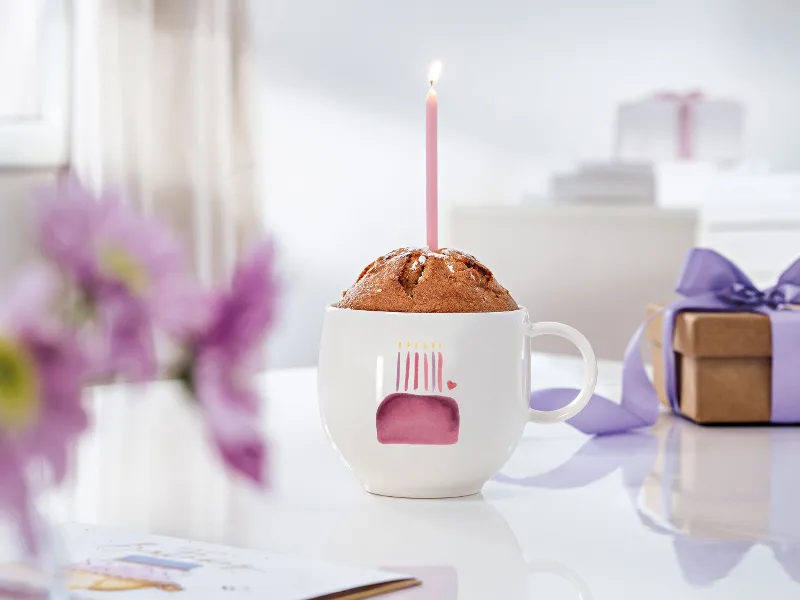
{"x": 31, "y": 297}
{"x": 234, "y": 427}
{"x": 127, "y": 342}
{"x": 246, "y": 457}
{"x": 62, "y": 370}
{"x": 14, "y": 493}
{"x": 244, "y": 314}
{"x": 68, "y": 217}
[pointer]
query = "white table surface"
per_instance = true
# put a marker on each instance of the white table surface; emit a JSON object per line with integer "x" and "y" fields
{"x": 678, "y": 512}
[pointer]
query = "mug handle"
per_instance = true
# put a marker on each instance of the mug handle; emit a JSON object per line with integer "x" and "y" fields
{"x": 590, "y": 374}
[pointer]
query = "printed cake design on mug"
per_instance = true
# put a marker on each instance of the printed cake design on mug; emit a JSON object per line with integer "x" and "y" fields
{"x": 418, "y": 412}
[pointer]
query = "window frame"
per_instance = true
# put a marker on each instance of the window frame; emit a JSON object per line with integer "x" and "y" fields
{"x": 43, "y": 141}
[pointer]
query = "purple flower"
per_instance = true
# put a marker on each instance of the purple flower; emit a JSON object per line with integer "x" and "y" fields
{"x": 226, "y": 358}
{"x": 130, "y": 270}
{"x": 42, "y": 372}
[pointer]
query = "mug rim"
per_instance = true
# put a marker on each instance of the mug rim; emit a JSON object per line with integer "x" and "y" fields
{"x": 331, "y": 309}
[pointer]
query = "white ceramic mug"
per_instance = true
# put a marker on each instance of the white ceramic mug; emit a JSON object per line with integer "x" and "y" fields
{"x": 431, "y": 405}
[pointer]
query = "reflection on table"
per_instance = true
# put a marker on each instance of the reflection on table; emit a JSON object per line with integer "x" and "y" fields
{"x": 716, "y": 492}
{"x": 680, "y": 511}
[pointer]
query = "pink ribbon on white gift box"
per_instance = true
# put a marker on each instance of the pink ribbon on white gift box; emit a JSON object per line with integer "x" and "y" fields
{"x": 685, "y": 104}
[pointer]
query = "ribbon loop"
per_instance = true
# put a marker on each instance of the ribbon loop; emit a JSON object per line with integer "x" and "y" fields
{"x": 791, "y": 275}
{"x": 705, "y": 271}
{"x": 789, "y": 293}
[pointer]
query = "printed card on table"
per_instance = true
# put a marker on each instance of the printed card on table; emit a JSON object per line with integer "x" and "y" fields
{"x": 114, "y": 565}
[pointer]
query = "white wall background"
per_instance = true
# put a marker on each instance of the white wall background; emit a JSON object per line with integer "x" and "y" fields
{"x": 528, "y": 84}
{"x": 544, "y": 76}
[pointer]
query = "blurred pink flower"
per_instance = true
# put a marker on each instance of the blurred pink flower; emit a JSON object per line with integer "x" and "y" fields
{"x": 226, "y": 358}
{"x": 130, "y": 269}
{"x": 42, "y": 372}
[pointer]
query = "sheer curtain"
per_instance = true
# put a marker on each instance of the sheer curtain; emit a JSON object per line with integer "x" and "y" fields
{"x": 162, "y": 107}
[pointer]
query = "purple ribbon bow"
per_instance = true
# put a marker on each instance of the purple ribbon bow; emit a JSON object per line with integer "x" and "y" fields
{"x": 708, "y": 282}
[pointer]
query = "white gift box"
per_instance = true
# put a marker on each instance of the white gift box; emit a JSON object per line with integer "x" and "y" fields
{"x": 704, "y": 184}
{"x": 605, "y": 183}
{"x": 680, "y": 126}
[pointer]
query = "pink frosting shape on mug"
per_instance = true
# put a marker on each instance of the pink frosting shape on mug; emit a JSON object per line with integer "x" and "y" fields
{"x": 418, "y": 419}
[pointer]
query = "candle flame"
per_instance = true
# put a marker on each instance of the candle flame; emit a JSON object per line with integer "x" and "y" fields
{"x": 435, "y": 71}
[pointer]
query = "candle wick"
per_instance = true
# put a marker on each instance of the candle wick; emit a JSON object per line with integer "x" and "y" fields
{"x": 432, "y": 82}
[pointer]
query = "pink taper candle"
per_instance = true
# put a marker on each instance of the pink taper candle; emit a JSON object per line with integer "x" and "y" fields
{"x": 432, "y": 160}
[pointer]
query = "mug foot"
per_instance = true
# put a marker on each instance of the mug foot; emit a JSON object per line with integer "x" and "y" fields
{"x": 432, "y": 492}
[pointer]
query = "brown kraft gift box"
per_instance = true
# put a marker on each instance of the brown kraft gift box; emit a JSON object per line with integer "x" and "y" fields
{"x": 723, "y": 362}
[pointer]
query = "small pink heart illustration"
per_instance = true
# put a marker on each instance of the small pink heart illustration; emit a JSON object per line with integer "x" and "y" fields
{"x": 451, "y": 385}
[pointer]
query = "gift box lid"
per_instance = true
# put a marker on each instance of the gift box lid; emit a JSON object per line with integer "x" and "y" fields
{"x": 716, "y": 334}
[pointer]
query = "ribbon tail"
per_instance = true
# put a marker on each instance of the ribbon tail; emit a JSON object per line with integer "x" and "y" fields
{"x": 685, "y": 126}
{"x": 668, "y": 354}
{"x": 638, "y": 406}
{"x": 788, "y": 555}
{"x": 705, "y": 561}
